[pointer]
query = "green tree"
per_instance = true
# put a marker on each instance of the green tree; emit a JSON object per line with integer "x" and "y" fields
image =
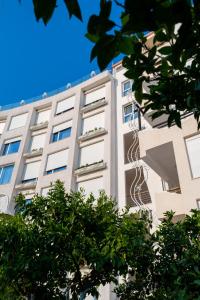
{"x": 168, "y": 67}
{"x": 67, "y": 242}
{"x": 174, "y": 271}
{"x": 46, "y": 246}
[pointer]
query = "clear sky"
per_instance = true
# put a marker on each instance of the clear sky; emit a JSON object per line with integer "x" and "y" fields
{"x": 35, "y": 58}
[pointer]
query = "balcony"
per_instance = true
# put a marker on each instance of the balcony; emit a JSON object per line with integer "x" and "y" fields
{"x": 97, "y": 166}
{"x": 39, "y": 126}
{"x": 157, "y": 151}
{"x": 94, "y": 105}
{"x": 167, "y": 201}
{"x": 28, "y": 184}
{"x": 92, "y": 134}
{"x": 137, "y": 192}
{"x": 33, "y": 153}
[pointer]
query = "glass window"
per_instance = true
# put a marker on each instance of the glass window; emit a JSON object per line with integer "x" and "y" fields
{"x": 56, "y": 170}
{"x": 65, "y": 105}
{"x": 31, "y": 171}
{"x": 130, "y": 113}
{"x": 43, "y": 116}
{"x": 57, "y": 161}
{"x": 60, "y": 135}
{"x": 38, "y": 142}
{"x": 6, "y": 174}
{"x": 193, "y": 149}
{"x": 10, "y": 148}
{"x": 126, "y": 88}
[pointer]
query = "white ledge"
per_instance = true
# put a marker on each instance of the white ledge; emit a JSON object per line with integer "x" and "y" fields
{"x": 90, "y": 168}
{"x": 39, "y": 126}
{"x": 33, "y": 153}
{"x": 92, "y": 134}
{"x": 26, "y": 185}
{"x": 94, "y": 105}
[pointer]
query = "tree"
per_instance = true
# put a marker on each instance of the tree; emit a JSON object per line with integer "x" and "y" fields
{"x": 47, "y": 245}
{"x": 174, "y": 271}
{"x": 168, "y": 67}
{"x": 66, "y": 242}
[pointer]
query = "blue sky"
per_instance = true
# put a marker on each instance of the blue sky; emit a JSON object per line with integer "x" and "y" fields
{"x": 35, "y": 58}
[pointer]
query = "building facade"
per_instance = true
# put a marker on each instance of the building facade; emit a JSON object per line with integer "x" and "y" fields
{"x": 92, "y": 135}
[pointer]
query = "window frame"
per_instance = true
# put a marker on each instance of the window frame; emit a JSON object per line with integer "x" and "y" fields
{"x": 58, "y": 134}
{"x": 59, "y": 169}
{"x": 58, "y": 166}
{"x": 188, "y": 155}
{"x": 125, "y": 92}
{"x": 133, "y": 115}
{"x": 8, "y": 145}
{"x": 2, "y": 169}
{"x": 198, "y": 204}
{"x": 25, "y": 115}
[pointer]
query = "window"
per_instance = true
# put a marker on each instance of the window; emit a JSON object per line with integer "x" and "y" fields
{"x": 65, "y": 105}
{"x": 130, "y": 113}
{"x": 18, "y": 121}
{"x": 193, "y": 149}
{"x": 43, "y": 116}
{"x": 61, "y": 131}
{"x": 198, "y": 204}
{"x": 31, "y": 172}
{"x": 126, "y": 88}
{"x": 2, "y": 125}
{"x": 93, "y": 186}
{"x": 28, "y": 201}
{"x": 92, "y": 154}
{"x": 96, "y": 121}
{"x": 95, "y": 95}
{"x": 57, "y": 161}
{"x": 37, "y": 142}
{"x": 11, "y": 146}
{"x": 6, "y": 173}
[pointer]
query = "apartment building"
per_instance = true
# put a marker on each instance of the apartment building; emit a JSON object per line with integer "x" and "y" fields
{"x": 92, "y": 135}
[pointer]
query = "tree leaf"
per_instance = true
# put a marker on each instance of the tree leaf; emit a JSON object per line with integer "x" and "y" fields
{"x": 165, "y": 50}
{"x": 44, "y": 9}
{"x": 73, "y": 8}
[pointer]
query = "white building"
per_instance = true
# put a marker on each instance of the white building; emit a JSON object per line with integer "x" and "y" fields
{"x": 91, "y": 135}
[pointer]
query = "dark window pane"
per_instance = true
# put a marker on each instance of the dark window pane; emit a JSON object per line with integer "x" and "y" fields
{"x": 14, "y": 147}
{"x": 65, "y": 133}
{"x": 55, "y": 137}
{"x": 5, "y": 149}
{"x": 5, "y": 174}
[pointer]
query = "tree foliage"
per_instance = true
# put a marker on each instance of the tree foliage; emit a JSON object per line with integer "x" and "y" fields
{"x": 46, "y": 246}
{"x": 66, "y": 242}
{"x": 174, "y": 269}
{"x": 165, "y": 72}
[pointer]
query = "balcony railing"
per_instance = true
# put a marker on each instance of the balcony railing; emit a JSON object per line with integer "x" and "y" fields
{"x": 51, "y": 93}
